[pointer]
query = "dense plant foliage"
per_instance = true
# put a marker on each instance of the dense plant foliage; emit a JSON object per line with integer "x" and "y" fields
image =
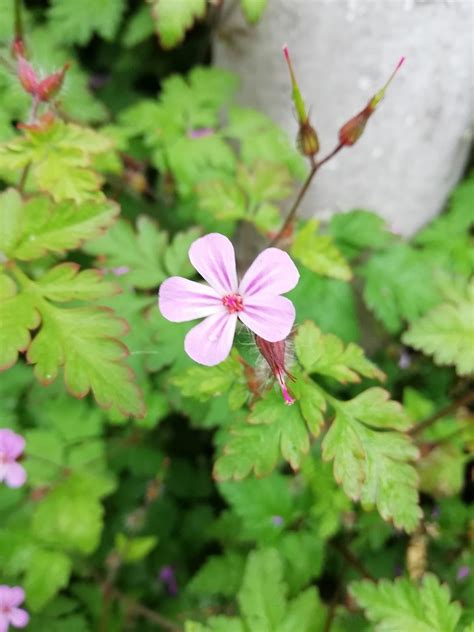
{"x": 162, "y": 494}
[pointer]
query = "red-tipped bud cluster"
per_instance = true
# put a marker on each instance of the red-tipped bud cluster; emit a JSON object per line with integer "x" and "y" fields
{"x": 52, "y": 84}
{"x": 40, "y": 89}
{"x": 275, "y": 355}
{"x": 351, "y": 131}
{"x": 27, "y": 76}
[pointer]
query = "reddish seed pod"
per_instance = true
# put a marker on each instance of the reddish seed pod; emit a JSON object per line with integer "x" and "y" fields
{"x": 275, "y": 356}
{"x": 351, "y": 131}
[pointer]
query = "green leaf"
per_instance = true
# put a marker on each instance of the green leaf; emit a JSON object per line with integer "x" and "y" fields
{"x": 304, "y": 614}
{"x": 134, "y": 549}
{"x": 43, "y": 470}
{"x": 447, "y": 332}
{"x": 18, "y": 315}
{"x": 357, "y": 231}
{"x": 441, "y": 470}
{"x": 257, "y": 502}
{"x": 74, "y": 22}
{"x": 140, "y": 253}
{"x": 10, "y": 219}
{"x": 449, "y": 236}
{"x": 328, "y": 302}
{"x": 85, "y": 341}
{"x": 253, "y": 9}
{"x": 139, "y": 27}
{"x": 176, "y": 258}
{"x": 219, "y": 575}
{"x": 274, "y": 428}
{"x": 371, "y": 465}
{"x": 402, "y": 605}
{"x": 262, "y": 597}
{"x": 216, "y": 624}
{"x": 203, "y": 383}
{"x": 174, "y": 17}
{"x": 70, "y": 517}
{"x": 399, "y": 285}
{"x": 47, "y": 573}
{"x": 47, "y": 227}
{"x": 65, "y": 282}
{"x": 60, "y": 155}
{"x": 319, "y": 253}
{"x": 325, "y": 354}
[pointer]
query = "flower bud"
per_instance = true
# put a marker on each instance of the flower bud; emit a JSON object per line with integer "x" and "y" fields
{"x": 275, "y": 356}
{"x": 307, "y": 139}
{"x": 18, "y": 48}
{"x": 27, "y": 76}
{"x": 351, "y": 131}
{"x": 51, "y": 85}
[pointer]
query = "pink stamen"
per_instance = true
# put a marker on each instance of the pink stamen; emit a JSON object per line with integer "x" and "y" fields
{"x": 233, "y": 303}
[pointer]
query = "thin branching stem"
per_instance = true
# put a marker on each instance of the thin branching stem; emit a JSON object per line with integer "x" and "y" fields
{"x": 315, "y": 166}
{"x": 465, "y": 400}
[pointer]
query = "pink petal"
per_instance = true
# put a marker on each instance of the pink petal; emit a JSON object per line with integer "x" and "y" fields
{"x": 16, "y": 596}
{"x": 210, "y": 342}
{"x": 3, "y": 623}
{"x": 272, "y": 272}
{"x": 270, "y": 317}
{"x": 4, "y": 596}
{"x": 19, "y": 618}
{"x": 15, "y": 475}
{"x": 180, "y": 300}
{"x": 213, "y": 257}
{"x": 11, "y": 444}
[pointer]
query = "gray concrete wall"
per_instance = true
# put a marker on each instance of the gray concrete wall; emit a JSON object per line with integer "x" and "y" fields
{"x": 415, "y": 146}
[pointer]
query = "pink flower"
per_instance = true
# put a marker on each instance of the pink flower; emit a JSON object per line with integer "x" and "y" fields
{"x": 11, "y": 447}
{"x": 10, "y": 614}
{"x": 256, "y": 300}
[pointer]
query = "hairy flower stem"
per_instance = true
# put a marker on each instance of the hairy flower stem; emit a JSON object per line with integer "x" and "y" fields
{"x": 315, "y": 165}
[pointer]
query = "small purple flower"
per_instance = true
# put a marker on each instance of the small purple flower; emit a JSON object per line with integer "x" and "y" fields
{"x": 256, "y": 300}
{"x": 120, "y": 271}
{"x": 404, "y": 361}
{"x": 201, "y": 132}
{"x": 168, "y": 578}
{"x": 11, "y": 447}
{"x": 463, "y": 572}
{"x": 10, "y": 614}
{"x": 278, "y": 521}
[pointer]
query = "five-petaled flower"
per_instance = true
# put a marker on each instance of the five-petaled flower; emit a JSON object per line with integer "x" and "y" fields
{"x": 256, "y": 300}
{"x": 10, "y": 613}
{"x": 11, "y": 447}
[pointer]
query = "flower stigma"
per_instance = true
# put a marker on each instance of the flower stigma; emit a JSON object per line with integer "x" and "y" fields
{"x": 233, "y": 303}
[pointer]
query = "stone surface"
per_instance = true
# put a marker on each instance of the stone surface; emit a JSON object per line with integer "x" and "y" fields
{"x": 416, "y": 145}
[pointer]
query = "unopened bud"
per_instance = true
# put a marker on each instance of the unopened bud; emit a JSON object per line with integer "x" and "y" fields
{"x": 18, "y": 48}
{"x": 51, "y": 85}
{"x": 27, "y": 76}
{"x": 308, "y": 142}
{"x": 351, "y": 131}
{"x": 307, "y": 139}
{"x": 275, "y": 355}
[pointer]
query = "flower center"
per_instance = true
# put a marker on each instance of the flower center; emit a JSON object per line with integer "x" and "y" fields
{"x": 233, "y": 303}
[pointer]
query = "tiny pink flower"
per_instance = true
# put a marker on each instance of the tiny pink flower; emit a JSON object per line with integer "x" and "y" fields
{"x": 10, "y": 614}
{"x": 255, "y": 301}
{"x": 11, "y": 447}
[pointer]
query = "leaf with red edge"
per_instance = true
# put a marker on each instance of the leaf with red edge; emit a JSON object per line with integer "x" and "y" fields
{"x": 18, "y": 315}
{"x": 84, "y": 342}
